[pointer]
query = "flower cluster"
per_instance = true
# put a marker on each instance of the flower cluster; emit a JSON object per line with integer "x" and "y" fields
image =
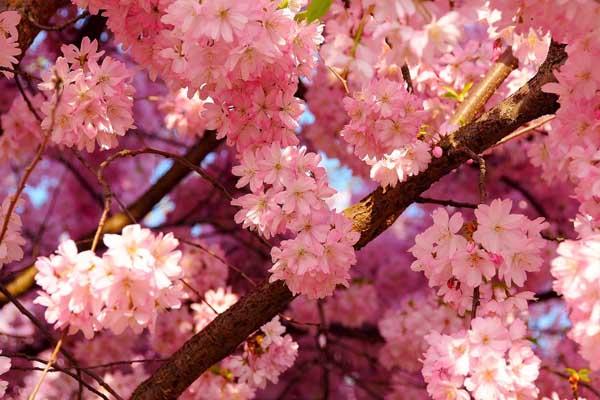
{"x": 355, "y": 305}
{"x": 136, "y": 24}
{"x": 11, "y": 248}
{"x": 87, "y": 101}
{"x": 577, "y": 274}
{"x": 9, "y": 41}
{"x": 247, "y": 57}
{"x": 384, "y": 130}
{"x": 289, "y": 189}
{"x": 491, "y": 360}
{"x": 404, "y": 330}
{"x": 136, "y": 278}
{"x": 458, "y": 257}
{"x": 578, "y": 122}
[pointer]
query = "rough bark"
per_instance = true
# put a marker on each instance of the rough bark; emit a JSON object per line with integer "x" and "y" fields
{"x": 371, "y": 216}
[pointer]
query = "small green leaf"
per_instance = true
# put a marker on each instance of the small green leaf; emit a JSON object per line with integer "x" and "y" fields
{"x": 465, "y": 90}
{"x": 457, "y": 96}
{"x": 300, "y": 16}
{"x": 584, "y": 375}
{"x": 316, "y": 9}
{"x": 571, "y": 371}
{"x": 533, "y": 340}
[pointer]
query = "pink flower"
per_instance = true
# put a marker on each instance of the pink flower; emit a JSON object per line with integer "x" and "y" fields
{"x": 223, "y": 18}
{"x": 490, "y": 380}
{"x": 488, "y": 334}
{"x": 497, "y": 228}
{"x": 471, "y": 265}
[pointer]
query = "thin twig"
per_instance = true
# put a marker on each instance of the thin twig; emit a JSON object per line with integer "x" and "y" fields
{"x": 209, "y": 252}
{"x": 451, "y": 203}
{"x": 49, "y": 364}
{"x": 407, "y": 79}
{"x": 482, "y": 173}
{"x": 49, "y": 335}
{"x": 26, "y": 98}
{"x": 21, "y": 186}
{"x": 60, "y": 27}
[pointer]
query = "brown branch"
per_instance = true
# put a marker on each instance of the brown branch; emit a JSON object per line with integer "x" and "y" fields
{"x": 450, "y": 203}
{"x": 370, "y": 217}
{"x": 143, "y": 205}
{"x": 481, "y": 93}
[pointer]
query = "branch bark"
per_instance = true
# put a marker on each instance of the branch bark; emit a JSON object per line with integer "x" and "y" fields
{"x": 138, "y": 209}
{"x": 371, "y": 216}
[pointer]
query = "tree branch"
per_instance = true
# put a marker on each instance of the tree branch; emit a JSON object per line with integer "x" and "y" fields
{"x": 371, "y": 216}
{"x": 142, "y": 206}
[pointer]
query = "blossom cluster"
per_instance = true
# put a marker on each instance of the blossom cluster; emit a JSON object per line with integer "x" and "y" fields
{"x": 355, "y": 305}
{"x": 384, "y": 127}
{"x": 577, "y": 273}
{"x": 289, "y": 189}
{"x": 571, "y": 149}
{"x": 9, "y": 41}
{"x": 88, "y": 101}
{"x": 404, "y": 330}
{"x": 491, "y": 360}
{"x": 459, "y": 256}
{"x": 11, "y": 247}
{"x": 135, "y": 279}
{"x": 247, "y": 57}
{"x": 21, "y": 131}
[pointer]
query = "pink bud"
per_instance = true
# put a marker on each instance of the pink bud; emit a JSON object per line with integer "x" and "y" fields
{"x": 437, "y": 152}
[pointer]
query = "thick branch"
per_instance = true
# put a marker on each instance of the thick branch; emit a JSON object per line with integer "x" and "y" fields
{"x": 142, "y": 206}
{"x": 371, "y": 217}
